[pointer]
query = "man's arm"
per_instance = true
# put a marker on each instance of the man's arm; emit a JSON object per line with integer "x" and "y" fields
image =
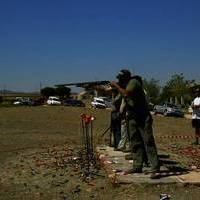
{"x": 102, "y": 88}
{"x": 130, "y": 89}
{"x": 123, "y": 91}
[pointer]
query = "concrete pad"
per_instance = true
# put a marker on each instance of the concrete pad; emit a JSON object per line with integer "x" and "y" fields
{"x": 190, "y": 178}
{"x": 115, "y": 165}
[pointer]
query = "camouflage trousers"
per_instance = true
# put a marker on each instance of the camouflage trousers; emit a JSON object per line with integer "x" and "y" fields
{"x": 124, "y": 143}
{"x": 143, "y": 144}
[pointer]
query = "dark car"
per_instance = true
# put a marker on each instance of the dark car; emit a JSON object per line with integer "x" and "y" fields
{"x": 28, "y": 101}
{"x": 168, "y": 109}
{"x": 36, "y": 102}
{"x": 73, "y": 102}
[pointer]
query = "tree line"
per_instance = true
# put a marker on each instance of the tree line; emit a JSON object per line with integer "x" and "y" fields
{"x": 62, "y": 92}
{"x": 177, "y": 89}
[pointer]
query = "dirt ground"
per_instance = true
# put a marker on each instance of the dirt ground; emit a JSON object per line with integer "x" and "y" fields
{"x": 38, "y": 146}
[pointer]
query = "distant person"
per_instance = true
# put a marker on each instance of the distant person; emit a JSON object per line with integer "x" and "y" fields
{"x": 139, "y": 119}
{"x": 196, "y": 116}
{"x": 116, "y": 118}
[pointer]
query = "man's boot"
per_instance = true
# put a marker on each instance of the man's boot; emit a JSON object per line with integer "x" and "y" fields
{"x": 127, "y": 150}
{"x": 196, "y": 142}
{"x": 129, "y": 157}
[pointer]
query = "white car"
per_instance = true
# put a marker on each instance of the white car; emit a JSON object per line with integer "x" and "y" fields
{"x": 101, "y": 102}
{"x": 107, "y": 101}
{"x": 98, "y": 103}
{"x": 17, "y": 103}
{"x": 53, "y": 101}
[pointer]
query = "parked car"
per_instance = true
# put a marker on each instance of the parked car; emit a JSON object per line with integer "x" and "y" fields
{"x": 98, "y": 103}
{"x": 168, "y": 109}
{"x": 53, "y": 101}
{"x": 73, "y": 102}
{"x": 22, "y": 101}
{"x": 36, "y": 102}
{"x": 107, "y": 101}
{"x": 18, "y": 101}
{"x": 29, "y": 101}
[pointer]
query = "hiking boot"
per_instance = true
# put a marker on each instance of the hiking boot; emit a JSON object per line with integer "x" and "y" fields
{"x": 155, "y": 175}
{"x": 116, "y": 149}
{"x": 133, "y": 171}
{"x": 121, "y": 148}
{"x": 129, "y": 157}
{"x": 195, "y": 143}
{"x": 146, "y": 164}
{"x": 126, "y": 150}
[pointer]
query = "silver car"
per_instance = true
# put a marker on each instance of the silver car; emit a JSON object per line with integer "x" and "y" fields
{"x": 168, "y": 109}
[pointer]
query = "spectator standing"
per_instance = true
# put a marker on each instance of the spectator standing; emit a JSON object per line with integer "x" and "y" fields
{"x": 196, "y": 116}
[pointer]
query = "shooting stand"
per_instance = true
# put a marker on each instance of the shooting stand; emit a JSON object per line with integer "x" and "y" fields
{"x": 88, "y": 160}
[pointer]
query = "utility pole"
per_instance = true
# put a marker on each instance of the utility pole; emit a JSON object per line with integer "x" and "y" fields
{"x": 1, "y": 91}
{"x": 40, "y": 87}
{"x": 4, "y": 89}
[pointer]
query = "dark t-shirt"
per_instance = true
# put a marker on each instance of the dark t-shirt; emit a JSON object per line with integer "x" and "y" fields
{"x": 136, "y": 103}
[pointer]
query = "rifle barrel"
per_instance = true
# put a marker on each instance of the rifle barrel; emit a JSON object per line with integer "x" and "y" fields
{"x": 82, "y": 84}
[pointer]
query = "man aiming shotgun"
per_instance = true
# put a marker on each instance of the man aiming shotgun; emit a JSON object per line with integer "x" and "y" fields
{"x": 139, "y": 123}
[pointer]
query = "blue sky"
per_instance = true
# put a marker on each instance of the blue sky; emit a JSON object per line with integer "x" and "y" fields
{"x": 54, "y": 42}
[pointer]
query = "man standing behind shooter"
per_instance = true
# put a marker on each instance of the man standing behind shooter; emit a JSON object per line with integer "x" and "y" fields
{"x": 138, "y": 113}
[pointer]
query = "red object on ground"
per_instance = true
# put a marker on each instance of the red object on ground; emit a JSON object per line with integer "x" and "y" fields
{"x": 87, "y": 118}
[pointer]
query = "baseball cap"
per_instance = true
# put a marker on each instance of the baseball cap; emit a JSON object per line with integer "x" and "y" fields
{"x": 124, "y": 73}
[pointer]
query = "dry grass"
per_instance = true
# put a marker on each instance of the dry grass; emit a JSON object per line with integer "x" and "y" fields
{"x": 28, "y": 134}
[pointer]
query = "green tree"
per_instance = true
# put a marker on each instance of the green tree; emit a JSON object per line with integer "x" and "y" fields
{"x": 63, "y": 92}
{"x": 48, "y": 91}
{"x": 152, "y": 88}
{"x": 178, "y": 87}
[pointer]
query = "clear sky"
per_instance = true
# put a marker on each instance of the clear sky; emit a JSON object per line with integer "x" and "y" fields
{"x": 58, "y": 41}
